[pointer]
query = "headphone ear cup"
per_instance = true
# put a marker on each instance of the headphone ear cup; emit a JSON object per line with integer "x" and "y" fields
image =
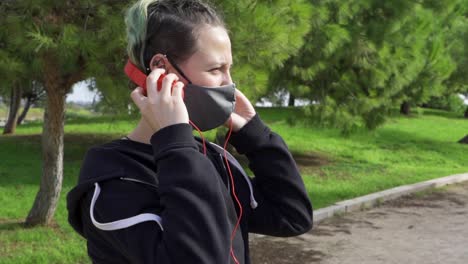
{"x": 159, "y": 83}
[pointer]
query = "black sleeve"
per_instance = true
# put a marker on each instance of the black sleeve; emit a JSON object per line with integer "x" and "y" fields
{"x": 284, "y": 208}
{"x": 194, "y": 215}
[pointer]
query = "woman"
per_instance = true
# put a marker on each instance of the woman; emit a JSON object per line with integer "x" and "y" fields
{"x": 160, "y": 195}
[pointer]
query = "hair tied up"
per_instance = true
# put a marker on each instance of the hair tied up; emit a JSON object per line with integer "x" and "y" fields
{"x": 166, "y": 27}
{"x": 136, "y": 20}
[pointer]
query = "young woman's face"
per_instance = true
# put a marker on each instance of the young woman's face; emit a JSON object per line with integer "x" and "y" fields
{"x": 210, "y": 65}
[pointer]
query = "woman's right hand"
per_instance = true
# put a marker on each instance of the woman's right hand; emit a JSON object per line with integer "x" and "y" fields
{"x": 165, "y": 107}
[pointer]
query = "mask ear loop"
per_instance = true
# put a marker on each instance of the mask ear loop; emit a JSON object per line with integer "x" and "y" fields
{"x": 233, "y": 234}
{"x": 178, "y": 69}
{"x": 188, "y": 80}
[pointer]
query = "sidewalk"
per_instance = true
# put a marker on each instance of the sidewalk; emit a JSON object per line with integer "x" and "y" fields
{"x": 426, "y": 228}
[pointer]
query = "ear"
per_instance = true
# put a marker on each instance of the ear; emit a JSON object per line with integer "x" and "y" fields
{"x": 158, "y": 61}
{"x": 162, "y": 62}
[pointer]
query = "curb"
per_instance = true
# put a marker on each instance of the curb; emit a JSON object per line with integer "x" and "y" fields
{"x": 374, "y": 199}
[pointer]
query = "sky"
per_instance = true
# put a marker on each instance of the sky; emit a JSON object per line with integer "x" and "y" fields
{"x": 81, "y": 94}
{"x": 465, "y": 99}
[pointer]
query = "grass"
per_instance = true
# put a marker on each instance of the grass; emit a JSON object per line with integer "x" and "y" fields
{"x": 33, "y": 113}
{"x": 403, "y": 151}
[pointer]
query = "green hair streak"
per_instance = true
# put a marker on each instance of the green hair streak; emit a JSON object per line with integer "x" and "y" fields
{"x": 136, "y": 20}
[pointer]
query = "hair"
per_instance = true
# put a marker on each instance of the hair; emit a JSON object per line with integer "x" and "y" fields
{"x": 169, "y": 27}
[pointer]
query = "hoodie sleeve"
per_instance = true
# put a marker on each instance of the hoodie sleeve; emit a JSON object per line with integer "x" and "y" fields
{"x": 194, "y": 217}
{"x": 284, "y": 208}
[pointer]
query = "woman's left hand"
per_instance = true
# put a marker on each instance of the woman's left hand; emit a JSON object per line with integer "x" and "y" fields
{"x": 243, "y": 112}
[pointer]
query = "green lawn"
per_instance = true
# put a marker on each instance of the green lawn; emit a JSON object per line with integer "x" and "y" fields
{"x": 33, "y": 113}
{"x": 403, "y": 151}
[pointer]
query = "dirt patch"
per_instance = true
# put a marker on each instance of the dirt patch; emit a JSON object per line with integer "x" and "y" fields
{"x": 406, "y": 230}
{"x": 309, "y": 162}
{"x": 284, "y": 253}
{"x": 432, "y": 198}
{"x": 310, "y": 159}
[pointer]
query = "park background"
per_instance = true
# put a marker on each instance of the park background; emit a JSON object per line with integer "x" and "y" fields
{"x": 367, "y": 94}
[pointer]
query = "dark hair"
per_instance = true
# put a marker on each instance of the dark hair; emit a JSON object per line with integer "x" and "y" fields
{"x": 171, "y": 27}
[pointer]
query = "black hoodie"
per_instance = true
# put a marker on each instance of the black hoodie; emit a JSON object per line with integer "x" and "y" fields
{"x": 169, "y": 203}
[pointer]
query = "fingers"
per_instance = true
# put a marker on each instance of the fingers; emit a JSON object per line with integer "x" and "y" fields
{"x": 138, "y": 97}
{"x": 167, "y": 82}
{"x": 152, "y": 86}
{"x": 178, "y": 90}
{"x": 152, "y": 82}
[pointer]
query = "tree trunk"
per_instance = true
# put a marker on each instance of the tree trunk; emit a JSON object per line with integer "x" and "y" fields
{"x": 292, "y": 99}
{"x": 15, "y": 102}
{"x": 25, "y": 110}
{"x": 56, "y": 85}
{"x": 46, "y": 200}
{"x": 405, "y": 108}
{"x": 466, "y": 112}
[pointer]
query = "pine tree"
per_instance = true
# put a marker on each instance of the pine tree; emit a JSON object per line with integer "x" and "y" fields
{"x": 362, "y": 58}
{"x": 263, "y": 35}
{"x": 457, "y": 41}
{"x": 438, "y": 64}
{"x": 60, "y": 43}
{"x": 351, "y": 63}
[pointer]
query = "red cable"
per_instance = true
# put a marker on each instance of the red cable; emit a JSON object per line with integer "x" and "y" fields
{"x": 232, "y": 181}
{"x": 233, "y": 190}
{"x": 201, "y": 135}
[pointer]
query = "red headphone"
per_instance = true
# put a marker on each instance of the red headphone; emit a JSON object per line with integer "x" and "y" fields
{"x": 139, "y": 78}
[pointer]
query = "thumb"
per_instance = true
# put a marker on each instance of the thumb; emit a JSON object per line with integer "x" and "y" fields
{"x": 240, "y": 96}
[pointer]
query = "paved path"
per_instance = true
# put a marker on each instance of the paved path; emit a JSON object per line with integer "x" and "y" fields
{"x": 426, "y": 228}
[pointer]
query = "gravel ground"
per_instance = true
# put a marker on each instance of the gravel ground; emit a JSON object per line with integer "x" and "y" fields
{"x": 427, "y": 228}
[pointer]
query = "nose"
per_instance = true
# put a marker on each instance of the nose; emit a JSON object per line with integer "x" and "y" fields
{"x": 227, "y": 78}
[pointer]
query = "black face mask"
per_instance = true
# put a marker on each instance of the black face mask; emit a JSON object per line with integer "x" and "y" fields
{"x": 208, "y": 107}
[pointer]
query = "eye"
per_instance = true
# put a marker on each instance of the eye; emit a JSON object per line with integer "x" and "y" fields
{"x": 215, "y": 69}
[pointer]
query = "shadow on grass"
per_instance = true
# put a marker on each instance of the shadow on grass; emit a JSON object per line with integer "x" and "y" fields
{"x": 19, "y": 224}
{"x": 445, "y": 114}
{"x": 398, "y": 139}
{"x": 11, "y": 224}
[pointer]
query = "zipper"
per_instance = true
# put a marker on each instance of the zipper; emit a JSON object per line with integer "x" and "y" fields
{"x": 139, "y": 181}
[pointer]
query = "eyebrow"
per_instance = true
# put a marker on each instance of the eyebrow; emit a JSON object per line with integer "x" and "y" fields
{"x": 219, "y": 64}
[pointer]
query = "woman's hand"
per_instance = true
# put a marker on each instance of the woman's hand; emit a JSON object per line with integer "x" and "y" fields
{"x": 161, "y": 108}
{"x": 243, "y": 112}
